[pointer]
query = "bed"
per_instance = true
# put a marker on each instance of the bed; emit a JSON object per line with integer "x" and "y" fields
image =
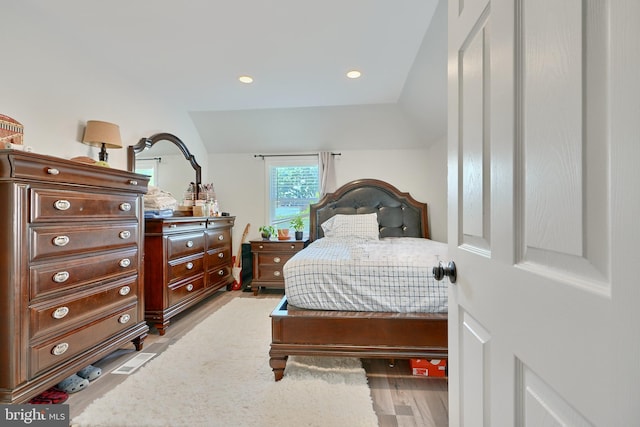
{"x": 356, "y": 333}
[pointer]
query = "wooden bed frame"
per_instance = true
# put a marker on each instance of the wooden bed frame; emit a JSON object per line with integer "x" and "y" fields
{"x": 297, "y": 331}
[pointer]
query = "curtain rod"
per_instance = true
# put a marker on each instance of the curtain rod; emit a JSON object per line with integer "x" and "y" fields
{"x": 150, "y": 158}
{"x": 291, "y": 155}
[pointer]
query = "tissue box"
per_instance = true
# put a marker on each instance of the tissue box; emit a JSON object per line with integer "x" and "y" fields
{"x": 429, "y": 367}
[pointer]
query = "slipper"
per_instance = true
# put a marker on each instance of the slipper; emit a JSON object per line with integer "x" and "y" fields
{"x": 90, "y": 372}
{"x": 73, "y": 384}
{"x": 53, "y": 396}
{"x": 40, "y": 401}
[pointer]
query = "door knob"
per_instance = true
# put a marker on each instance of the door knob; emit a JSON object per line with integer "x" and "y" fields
{"x": 443, "y": 270}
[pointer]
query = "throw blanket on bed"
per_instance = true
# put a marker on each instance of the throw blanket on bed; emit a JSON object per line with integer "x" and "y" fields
{"x": 392, "y": 274}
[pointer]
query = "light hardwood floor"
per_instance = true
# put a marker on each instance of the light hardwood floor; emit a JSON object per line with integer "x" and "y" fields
{"x": 399, "y": 398}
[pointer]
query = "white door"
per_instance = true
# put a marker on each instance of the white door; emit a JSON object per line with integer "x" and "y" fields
{"x": 544, "y": 211}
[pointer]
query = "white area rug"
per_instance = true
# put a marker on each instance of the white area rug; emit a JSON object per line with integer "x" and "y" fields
{"x": 218, "y": 374}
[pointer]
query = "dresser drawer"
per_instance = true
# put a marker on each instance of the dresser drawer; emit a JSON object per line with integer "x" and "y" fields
{"x": 55, "y": 205}
{"x": 218, "y": 238}
{"x": 50, "y": 241}
{"x": 61, "y": 171}
{"x": 219, "y": 256}
{"x": 183, "y": 267}
{"x": 168, "y": 226}
{"x": 185, "y": 289}
{"x": 46, "y": 278}
{"x": 52, "y": 352}
{"x": 60, "y": 314}
{"x": 184, "y": 244}
{"x": 219, "y": 275}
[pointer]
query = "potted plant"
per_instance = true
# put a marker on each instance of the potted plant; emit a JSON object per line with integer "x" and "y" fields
{"x": 267, "y": 231}
{"x": 298, "y": 225}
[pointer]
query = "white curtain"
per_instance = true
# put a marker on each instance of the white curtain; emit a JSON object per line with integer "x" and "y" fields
{"x": 327, "y": 172}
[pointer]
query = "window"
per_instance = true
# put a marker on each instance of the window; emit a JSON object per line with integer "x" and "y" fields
{"x": 292, "y": 185}
{"x": 148, "y": 167}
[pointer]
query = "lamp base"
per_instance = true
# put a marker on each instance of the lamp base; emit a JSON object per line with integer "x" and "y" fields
{"x": 103, "y": 156}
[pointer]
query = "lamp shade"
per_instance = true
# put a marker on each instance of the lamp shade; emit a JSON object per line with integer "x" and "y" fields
{"x": 97, "y": 133}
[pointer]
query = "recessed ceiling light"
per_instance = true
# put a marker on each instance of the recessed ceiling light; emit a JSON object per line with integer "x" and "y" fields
{"x": 246, "y": 79}
{"x": 354, "y": 74}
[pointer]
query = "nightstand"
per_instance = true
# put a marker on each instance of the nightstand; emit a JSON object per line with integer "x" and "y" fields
{"x": 269, "y": 256}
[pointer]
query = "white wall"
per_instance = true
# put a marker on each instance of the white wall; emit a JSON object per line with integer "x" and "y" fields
{"x": 239, "y": 180}
{"x": 52, "y": 91}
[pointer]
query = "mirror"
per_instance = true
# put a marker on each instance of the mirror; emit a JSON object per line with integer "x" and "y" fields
{"x": 146, "y": 149}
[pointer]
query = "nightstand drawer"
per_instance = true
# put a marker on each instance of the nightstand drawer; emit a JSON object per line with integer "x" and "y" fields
{"x": 280, "y": 246}
{"x": 271, "y": 272}
{"x": 273, "y": 259}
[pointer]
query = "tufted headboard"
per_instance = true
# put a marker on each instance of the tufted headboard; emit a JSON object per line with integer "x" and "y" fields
{"x": 399, "y": 214}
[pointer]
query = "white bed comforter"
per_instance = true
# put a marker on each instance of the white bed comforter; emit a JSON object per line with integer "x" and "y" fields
{"x": 392, "y": 274}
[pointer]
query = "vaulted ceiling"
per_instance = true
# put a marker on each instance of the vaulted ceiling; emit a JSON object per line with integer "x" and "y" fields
{"x": 191, "y": 53}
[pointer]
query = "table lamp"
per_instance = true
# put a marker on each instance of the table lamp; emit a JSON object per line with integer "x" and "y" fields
{"x": 104, "y": 135}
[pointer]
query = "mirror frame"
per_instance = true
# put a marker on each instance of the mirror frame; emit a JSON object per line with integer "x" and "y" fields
{"x": 145, "y": 143}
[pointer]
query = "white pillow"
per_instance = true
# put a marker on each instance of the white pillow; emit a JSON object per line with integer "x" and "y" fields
{"x": 362, "y": 225}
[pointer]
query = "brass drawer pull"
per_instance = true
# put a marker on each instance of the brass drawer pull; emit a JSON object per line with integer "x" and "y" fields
{"x": 125, "y": 207}
{"x": 125, "y": 234}
{"x": 276, "y": 260}
{"x": 125, "y": 262}
{"x": 53, "y": 171}
{"x": 293, "y": 246}
{"x": 189, "y": 265}
{"x": 276, "y": 273}
{"x": 261, "y": 247}
{"x": 60, "y": 349}
{"x": 133, "y": 182}
{"x": 221, "y": 273}
{"x": 124, "y": 318}
{"x": 61, "y": 240}
{"x": 62, "y": 205}
{"x": 124, "y": 290}
{"x": 189, "y": 243}
{"x": 190, "y": 287}
{"x": 60, "y": 312}
{"x": 61, "y": 276}
{"x": 221, "y": 237}
{"x": 220, "y": 254}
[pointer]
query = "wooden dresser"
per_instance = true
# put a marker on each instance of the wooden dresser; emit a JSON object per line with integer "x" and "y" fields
{"x": 70, "y": 268}
{"x": 186, "y": 259}
{"x": 269, "y": 257}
